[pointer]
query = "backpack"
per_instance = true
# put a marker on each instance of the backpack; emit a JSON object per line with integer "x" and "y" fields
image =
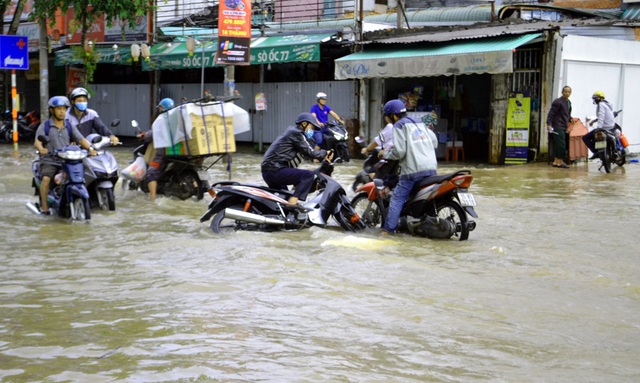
{"x": 47, "y": 127}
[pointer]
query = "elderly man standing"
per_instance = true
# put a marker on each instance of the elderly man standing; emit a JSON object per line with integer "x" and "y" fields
{"x": 558, "y": 120}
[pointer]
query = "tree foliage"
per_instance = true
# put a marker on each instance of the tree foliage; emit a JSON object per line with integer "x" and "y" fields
{"x": 85, "y": 12}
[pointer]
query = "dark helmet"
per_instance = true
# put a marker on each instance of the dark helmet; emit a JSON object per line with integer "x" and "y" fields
{"x": 308, "y": 117}
{"x": 394, "y": 107}
{"x": 57, "y": 101}
{"x": 166, "y": 103}
{"x": 77, "y": 92}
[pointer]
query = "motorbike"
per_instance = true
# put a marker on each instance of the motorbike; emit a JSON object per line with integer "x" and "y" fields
{"x": 608, "y": 147}
{"x": 183, "y": 176}
{"x": 237, "y": 206}
{"x": 27, "y": 126}
{"x": 372, "y": 165}
{"x": 68, "y": 196}
{"x": 335, "y": 138}
{"x": 101, "y": 173}
{"x": 438, "y": 206}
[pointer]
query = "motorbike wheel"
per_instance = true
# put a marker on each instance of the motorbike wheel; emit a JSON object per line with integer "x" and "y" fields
{"x": 221, "y": 224}
{"x": 621, "y": 159}
{"x": 108, "y": 199}
{"x": 370, "y": 212}
{"x": 343, "y": 152}
{"x": 606, "y": 160}
{"x": 453, "y": 212}
{"x": 81, "y": 210}
{"x": 344, "y": 220}
{"x": 188, "y": 185}
{"x": 8, "y": 135}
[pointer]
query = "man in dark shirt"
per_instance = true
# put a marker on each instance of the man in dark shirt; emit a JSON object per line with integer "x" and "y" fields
{"x": 558, "y": 120}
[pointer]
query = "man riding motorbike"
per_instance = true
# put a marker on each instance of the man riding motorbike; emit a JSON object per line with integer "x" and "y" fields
{"x": 321, "y": 111}
{"x": 414, "y": 146}
{"x": 605, "y": 120}
{"x": 65, "y": 133}
{"x": 87, "y": 120}
{"x": 279, "y": 165}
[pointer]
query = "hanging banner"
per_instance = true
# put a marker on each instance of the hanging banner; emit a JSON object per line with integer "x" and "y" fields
{"x": 518, "y": 121}
{"x": 234, "y": 32}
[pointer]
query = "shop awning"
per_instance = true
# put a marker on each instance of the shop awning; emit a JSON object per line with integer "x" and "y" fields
{"x": 489, "y": 55}
{"x": 632, "y": 13}
{"x": 264, "y": 50}
{"x": 107, "y": 55}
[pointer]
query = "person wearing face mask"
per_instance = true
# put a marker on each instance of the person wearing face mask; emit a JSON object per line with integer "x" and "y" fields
{"x": 280, "y": 162}
{"x": 87, "y": 120}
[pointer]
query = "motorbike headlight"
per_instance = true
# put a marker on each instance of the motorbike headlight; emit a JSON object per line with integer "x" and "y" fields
{"x": 73, "y": 154}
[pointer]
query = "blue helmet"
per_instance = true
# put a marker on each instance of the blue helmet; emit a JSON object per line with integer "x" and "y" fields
{"x": 308, "y": 117}
{"x": 57, "y": 101}
{"x": 166, "y": 103}
{"x": 394, "y": 107}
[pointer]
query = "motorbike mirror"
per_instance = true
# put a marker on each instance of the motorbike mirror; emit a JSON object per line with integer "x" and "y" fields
{"x": 360, "y": 139}
{"x": 44, "y": 139}
{"x": 134, "y": 123}
{"x": 115, "y": 122}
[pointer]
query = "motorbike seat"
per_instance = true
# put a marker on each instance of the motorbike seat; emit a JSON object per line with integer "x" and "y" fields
{"x": 436, "y": 179}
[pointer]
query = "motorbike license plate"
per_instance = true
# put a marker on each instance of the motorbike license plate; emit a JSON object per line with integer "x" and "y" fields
{"x": 466, "y": 199}
{"x": 601, "y": 144}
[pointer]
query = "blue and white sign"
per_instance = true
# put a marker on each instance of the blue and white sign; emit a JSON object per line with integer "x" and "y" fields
{"x": 14, "y": 52}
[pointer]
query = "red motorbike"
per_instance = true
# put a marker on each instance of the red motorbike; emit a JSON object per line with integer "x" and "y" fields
{"x": 438, "y": 206}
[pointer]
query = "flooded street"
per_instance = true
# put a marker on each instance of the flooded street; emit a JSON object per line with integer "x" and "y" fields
{"x": 546, "y": 289}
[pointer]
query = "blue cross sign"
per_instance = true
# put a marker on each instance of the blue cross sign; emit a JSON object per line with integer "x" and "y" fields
{"x": 14, "y": 52}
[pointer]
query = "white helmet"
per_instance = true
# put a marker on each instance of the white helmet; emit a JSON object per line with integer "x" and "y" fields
{"x": 77, "y": 92}
{"x": 321, "y": 95}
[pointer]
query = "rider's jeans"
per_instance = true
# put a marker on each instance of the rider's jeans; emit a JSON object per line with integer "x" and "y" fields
{"x": 399, "y": 197}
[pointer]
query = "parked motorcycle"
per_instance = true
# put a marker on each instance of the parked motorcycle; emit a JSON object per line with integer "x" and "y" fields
{"x": 608, "y": 148}
{"x": 27, "y": 126}
{"x": 101, "y": 172}
{"x": 335, "y": 138}
{"x": 237, "y": 206}
{"x": 438, "y": 206}
{"x": 183, "y": 177}
{"x": 68, "y": 195}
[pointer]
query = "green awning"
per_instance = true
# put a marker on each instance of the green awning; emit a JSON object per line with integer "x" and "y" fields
{"x": 290, "y": 48}
{"x": 488, "y": 55}
{"x": 176, "y": 56}
{"x": 264, "y": 50}
{"x": 632, "y": 13}
{"x": 107, "y": 55}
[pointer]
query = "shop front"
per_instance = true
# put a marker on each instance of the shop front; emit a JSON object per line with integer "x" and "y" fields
{"x": 464, "y": 84}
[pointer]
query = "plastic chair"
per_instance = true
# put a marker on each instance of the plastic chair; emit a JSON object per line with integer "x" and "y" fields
{"x": 455, "y": 151}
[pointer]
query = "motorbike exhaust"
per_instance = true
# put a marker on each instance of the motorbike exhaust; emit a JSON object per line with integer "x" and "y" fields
{"x": 250, "y": 217}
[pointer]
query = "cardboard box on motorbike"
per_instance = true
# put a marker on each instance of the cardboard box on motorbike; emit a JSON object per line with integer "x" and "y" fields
{"x": 195, "y": 129}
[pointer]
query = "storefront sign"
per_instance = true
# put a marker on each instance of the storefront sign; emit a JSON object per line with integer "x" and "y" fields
{"x": 100, "y": 31}
{"x": 234, "y": 32}
{"x": 518, "y": 122}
